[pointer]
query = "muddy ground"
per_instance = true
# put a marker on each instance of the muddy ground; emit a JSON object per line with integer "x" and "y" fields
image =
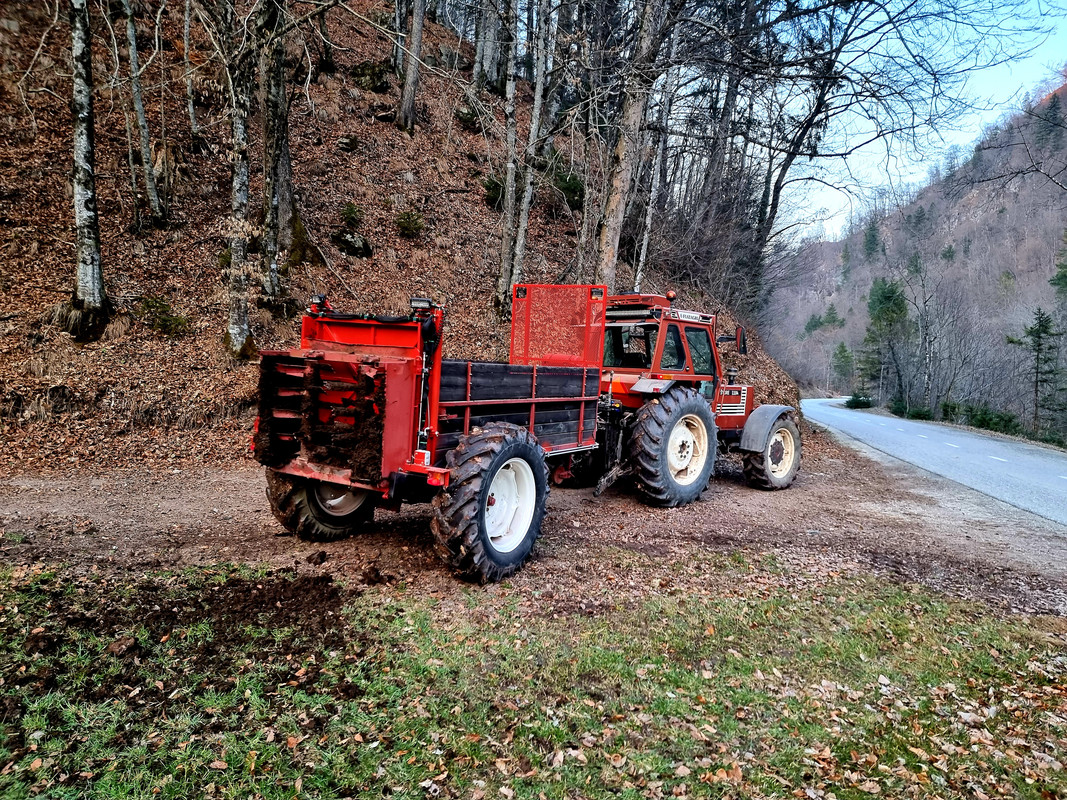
{"x": 847, "y": 511}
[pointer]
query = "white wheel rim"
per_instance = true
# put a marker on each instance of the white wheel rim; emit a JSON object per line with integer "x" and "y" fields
{"x": 509, "y": 505}
{"x": 780, "y": 452}
{"x": 687, "y": 449}
{"x": 339, "y": 501}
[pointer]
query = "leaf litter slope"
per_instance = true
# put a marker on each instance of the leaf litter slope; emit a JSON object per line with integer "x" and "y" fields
{"x": 143, "y": 396}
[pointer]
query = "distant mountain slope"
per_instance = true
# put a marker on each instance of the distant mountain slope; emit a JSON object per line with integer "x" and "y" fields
{"x": 972, "y": 251}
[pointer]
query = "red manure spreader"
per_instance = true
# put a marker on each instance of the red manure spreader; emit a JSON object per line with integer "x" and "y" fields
{"x": 368, "y": 413}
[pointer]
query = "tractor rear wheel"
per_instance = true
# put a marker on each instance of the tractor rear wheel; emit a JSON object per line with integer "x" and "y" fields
{"x": 318, "y": 511}
{"x": 673, "y": 447}
{"x": 487, "y": 520}
{"x": 776, "y": 465}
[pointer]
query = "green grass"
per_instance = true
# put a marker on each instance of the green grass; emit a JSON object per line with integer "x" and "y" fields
{"x": 776, "y": 687}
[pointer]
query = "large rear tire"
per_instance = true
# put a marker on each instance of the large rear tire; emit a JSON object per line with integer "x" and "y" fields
{"x": 487, "y": 520}
{"x": 673, "y": 447}
{"x": 776, "y": 465}
{"x": 318, "y": 511}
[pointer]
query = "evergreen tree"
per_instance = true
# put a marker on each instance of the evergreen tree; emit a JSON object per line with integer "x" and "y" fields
{"x": 813, "y": 324}
{"x": 1050, "y": 125}
{"x": 871, "y": 240}
{"x": 1041, "y": 341}
{"x": 842, "y": 363}
{"x": 889, "y": 329}
{"x": 1059, "y": 280}
{"x": 832, "y": 319}
{"x": 846, "y": 263}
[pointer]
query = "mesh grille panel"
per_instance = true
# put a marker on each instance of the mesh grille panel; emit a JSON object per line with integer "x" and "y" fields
{"x": 558, "y": 325}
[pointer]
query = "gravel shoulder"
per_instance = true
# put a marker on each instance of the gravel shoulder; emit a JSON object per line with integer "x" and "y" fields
{"x": 850, "y": 510}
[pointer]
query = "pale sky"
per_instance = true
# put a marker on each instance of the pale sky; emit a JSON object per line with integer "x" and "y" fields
{"x": 1001, "y": 88}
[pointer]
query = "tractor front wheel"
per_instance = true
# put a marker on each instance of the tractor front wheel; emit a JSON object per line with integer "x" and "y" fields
{"x": 776, "y": 465}
{"x": 487, "y": 520}
{"x": 673, "y": 447}
{"x": 318, "y": 511}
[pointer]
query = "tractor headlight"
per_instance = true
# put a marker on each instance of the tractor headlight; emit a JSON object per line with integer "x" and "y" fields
{"x": 421, "y": 304}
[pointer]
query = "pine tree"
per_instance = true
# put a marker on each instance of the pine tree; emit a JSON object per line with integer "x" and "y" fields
{"x": 1050, "y": 125}
{"x": 871, "y": 240}
{"x": 889, "y": 327}
{"x": 842, "y": 363}
{"x": 831, "y": 318}
{"x": 1059, "y": 280}
{"x": 1041, "y": 340}
{"x": 846, "y": 263}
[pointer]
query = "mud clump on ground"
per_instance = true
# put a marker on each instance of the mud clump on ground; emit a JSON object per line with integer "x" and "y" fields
{"x": 207, "y": 624}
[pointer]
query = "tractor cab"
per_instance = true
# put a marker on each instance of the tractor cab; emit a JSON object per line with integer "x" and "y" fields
{"x": 649, "y": 345}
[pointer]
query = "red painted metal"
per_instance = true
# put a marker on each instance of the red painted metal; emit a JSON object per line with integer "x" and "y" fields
{"x": 561, "y": 326}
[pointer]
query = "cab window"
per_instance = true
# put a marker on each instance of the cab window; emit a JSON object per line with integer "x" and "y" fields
{"x": 700, "y": 350}
{"x": 673, "y": 351}
{"x": 630, "y": 346}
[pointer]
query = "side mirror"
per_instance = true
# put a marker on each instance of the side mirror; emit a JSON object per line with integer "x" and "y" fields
{"x": 741, "y": 341}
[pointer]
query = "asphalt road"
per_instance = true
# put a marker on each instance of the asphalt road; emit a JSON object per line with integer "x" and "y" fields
{"x": 1023, "y": 475}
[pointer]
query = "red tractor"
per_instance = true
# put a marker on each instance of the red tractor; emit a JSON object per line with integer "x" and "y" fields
{"x": 368, "y": 413}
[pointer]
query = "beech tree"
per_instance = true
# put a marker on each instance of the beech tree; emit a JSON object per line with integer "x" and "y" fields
{"x": 406, "y": 112}
{"x": 87, "y": 312}
{"x": 137, "y": 98}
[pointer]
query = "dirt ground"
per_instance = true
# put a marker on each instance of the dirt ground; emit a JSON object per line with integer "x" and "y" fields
{"x": 846, "y": 512}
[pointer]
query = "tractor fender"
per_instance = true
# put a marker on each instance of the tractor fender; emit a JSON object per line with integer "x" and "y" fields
{"x": 758, "y": 426}
{"x": 650, "y": 386}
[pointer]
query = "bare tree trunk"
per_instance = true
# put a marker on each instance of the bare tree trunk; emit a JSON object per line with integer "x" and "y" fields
{"x": 327, "y": 65}
{"x": 274, "y": 129}
{"x": 487, "y": 68}
{"x": 480, "y": 24}
{"x": 278, "y": 202}
{"x": 283, "y": 181}
{"x": 88, "y": 310}
{"x": 626, "y": 151}
{"x": 238, "y": 331}
{"x": 400, "y": 24}
{"x": 133, "y": 170}
{"x": 658, "y": 169}
{"x": 531, "y": 53}
{"x": 158, "y": 213}
{"x": 507, "y": 245}
{"x": 193, "y": 127}
{"x": 545, "y": 31}
{"x": 406, "y": 115}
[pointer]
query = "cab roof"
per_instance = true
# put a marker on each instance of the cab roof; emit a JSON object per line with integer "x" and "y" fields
{"x": 634, "y": 307}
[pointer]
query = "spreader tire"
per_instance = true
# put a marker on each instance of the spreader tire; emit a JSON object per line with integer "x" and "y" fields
{"x": 487, "y": 520}
{"x": 776, "y": 465}
{"x": 318, "y": 511}
{"x": 673, "y": 447}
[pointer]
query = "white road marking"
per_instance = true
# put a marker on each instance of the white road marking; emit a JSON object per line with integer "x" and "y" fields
{"x": 953, "y": 445}
{"x": 1064, "y": 477}
{"x": 999, "y": 459}
{"x": 901, "y": 430}
{"x": 921, "y": 436}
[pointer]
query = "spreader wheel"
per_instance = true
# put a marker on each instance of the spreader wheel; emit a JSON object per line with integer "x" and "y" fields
{"x": 776, "y": 465}
{"x": 673, "y": 447}
{"x": 318, "y": 511}
{"x": 487, "y": 520}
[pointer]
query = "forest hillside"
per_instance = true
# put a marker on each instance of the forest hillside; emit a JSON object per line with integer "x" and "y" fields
{"x": 382, "y": 214}
{"x": 949, "y": 302}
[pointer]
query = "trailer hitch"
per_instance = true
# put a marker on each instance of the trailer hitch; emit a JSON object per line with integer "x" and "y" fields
{"x": 612, "y": 475}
